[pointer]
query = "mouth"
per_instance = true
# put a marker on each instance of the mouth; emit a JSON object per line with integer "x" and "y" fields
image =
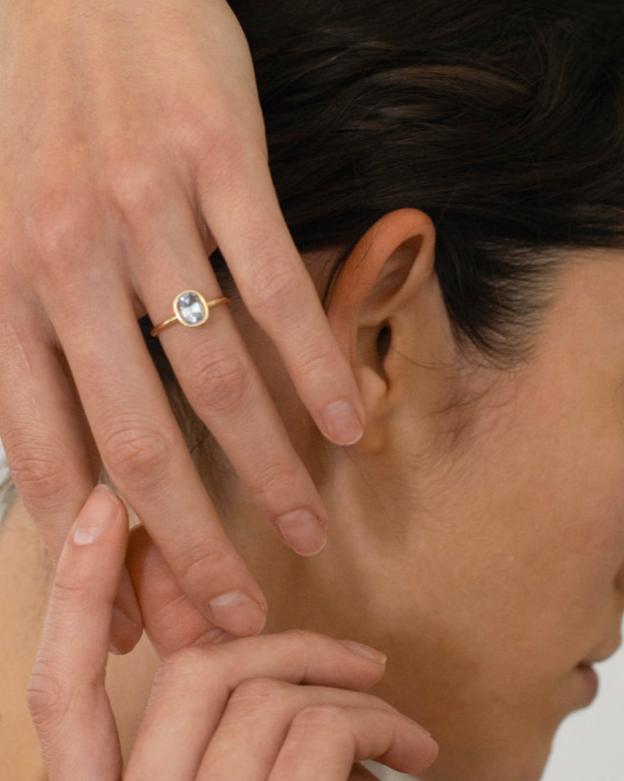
{"x": 591, "y": 681}
{"x": 589, "y": 662}
{"x": 602, "y": 658}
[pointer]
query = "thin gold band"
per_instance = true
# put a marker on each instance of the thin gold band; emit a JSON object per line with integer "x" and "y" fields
{"x": 177, "y": 318}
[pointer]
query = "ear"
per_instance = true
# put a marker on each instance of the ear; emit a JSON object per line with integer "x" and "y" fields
{"x": 387, "y": 313}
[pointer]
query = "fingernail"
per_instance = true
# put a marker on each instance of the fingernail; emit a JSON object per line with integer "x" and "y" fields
{"x": 123, "y": 632}
{"x": 237, "y": 613}
{"x": 117, "y": 651}
{"x": 365, "y": 650}
{"x": 96, "y": 515}
{"x": 303, "y": 531}
{"x": 342, "y": 423}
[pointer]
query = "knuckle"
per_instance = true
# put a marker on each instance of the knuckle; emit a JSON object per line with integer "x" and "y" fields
{"x": 273, "y": 478}
{"x": 304, "y": 642}
{"x": 301, "y": 637}
{"x": 272, "y": 288}
{"x": 136, "y": 186}
{"x": 320, "y": 364}
{"x": 191, "y": 656}
{"x": 202, "y": 560}
{"x": 70, "y": 595}
{"x": 190, "y": 128}
{"x": 37, "y": 472}
{"x": 60, "y": 222}
{"x": 186, "y": 670}
{"x": 137, "y": 455}
{"x": 321, "y": 715}
{"x": 46, "y": 697}
{"x": 219, "y": 147}
{"x": 258, "y": 694}
{"x": 186, "y": 661}
{"x": 219, "y": 379}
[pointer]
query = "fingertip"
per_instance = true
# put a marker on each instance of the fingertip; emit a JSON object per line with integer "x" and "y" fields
{"x": 342, "y": 423}
{"x": 101, "y": 512}
{"x": 125, "y": 633}
{"x": 78, "y": 620}
{"x": 237, "y": 613}
{"x": 127, "y": 619}
{"x": 365, "y": 651}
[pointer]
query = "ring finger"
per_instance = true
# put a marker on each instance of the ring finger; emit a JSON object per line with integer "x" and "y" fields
{"x": 258, "y": 717}
{"x": 144, "y": 451}
{"x": 223, "y": 384}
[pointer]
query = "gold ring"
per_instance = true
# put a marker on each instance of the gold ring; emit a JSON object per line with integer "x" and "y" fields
{"x": 189, "y": 308}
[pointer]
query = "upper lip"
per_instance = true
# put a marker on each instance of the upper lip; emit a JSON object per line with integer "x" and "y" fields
{"x": 587, "y": 662}
{"x": 596, "y": 659}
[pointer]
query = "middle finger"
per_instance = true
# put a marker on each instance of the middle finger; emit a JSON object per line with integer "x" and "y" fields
{"x": 222, "y": 383}
{"x": 143, "y": 448}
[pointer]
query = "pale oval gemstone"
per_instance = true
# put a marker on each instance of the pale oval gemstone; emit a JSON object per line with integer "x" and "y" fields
{"x": 191, "y": 308}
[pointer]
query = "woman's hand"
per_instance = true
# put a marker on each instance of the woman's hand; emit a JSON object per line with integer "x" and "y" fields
{"x": 226, "y": 712}
{"x": 132, "y": 144}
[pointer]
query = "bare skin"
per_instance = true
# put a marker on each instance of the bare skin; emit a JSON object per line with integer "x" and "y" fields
{"x": 237, "y": 705}
{"x": 119, "y": 177}
{"x": 26, "y": 572}
{"x": 486, "y": 565}
{"x": 481, "y": 548}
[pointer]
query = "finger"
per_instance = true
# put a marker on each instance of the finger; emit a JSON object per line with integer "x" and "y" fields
{"x": 194, "y": 686}
{"x": 66, "y": 693}
{"x": 171, "y": 620}
{"x": 257, "y": 718}
{"x": 145, "y": 453}
{"x": 244, "y": 216}
{"x": 127, "y": 623}
{"x": 50, "y": 452}
{"x": 325, "y": 740}
{"x": 223, "y": 384}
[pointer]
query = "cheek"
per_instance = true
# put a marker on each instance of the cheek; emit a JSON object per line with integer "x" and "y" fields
{"x": 575, "y": 484}
{"x": 519, "y": 575}
{"x": 534, "y": 536}
{"x": 558, "y": 528}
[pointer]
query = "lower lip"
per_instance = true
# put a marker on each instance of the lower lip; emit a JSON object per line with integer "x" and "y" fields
{"x": 591, "y": 679}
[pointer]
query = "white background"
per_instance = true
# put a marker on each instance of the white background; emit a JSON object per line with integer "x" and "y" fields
{"x": 589, "y": 745}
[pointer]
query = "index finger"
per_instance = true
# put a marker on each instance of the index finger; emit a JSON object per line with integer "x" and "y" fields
{"x": 243, "y": 214}
{"x": 66, "y": 694}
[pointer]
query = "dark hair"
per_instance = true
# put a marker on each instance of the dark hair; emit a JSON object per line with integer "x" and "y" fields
{"x": 504, "y": 121}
